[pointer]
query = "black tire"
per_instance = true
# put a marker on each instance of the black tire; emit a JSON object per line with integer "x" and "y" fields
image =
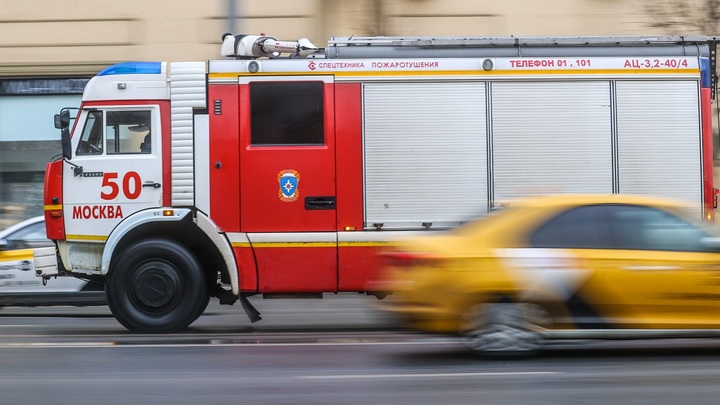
{"x": 156, "y": 286}
{"x": 203, "y": 306}
{"x": 504, "y": 328}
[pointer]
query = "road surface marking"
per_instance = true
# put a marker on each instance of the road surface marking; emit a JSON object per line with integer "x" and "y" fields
{"x": 431, "y": 375}
{"x": 211, "y": 343}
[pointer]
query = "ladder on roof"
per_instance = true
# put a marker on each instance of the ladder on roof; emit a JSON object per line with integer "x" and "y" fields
{"x": 513, "y": 47}
{"x": 443, "y": 42}
{"x": 498, "y": 47}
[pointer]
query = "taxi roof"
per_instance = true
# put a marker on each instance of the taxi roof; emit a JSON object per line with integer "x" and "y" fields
{"x": 583, "y": 199}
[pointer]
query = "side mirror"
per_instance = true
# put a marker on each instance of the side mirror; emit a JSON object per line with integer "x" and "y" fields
{"x": 711, "y": 243}
{"x": 10, "y": 244}
{"x": 65, "y": 143}
{"x": 62, "y": 120}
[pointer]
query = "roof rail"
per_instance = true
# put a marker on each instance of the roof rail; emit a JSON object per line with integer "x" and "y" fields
{"x": 444, "y": 42}
{"x": 514, "y": 46}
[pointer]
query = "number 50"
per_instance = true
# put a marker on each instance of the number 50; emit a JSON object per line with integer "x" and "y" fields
{"x": 131, "y": 186}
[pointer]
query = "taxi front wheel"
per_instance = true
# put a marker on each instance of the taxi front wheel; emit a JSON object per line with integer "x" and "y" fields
{"x": 504, "y": 328}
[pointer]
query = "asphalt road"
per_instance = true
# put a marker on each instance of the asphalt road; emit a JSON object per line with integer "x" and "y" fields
{"x": 333, "y": 351}
{"x": 336, "y": 312}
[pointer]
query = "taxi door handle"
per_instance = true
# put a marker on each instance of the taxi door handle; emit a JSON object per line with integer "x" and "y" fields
{"x": 651, "y": 268}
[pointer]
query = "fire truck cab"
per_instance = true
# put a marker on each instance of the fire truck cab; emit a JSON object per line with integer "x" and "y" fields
{"x": 283, "y": 167}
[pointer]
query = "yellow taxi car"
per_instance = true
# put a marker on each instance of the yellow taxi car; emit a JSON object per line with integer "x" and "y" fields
{"x": 20, "y": 286}
{"x": 567, "y": 266}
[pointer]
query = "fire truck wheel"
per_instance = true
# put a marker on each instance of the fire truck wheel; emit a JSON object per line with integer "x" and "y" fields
{"x": 203, "y": 306}
{"x": 156, "y": 286}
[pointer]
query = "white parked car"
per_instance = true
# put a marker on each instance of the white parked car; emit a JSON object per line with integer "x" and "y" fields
{"x": 19, "y": 286}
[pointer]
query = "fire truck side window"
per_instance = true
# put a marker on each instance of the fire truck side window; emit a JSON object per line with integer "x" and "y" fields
{"x": 128, "y": 132}
{"x": 91, "y": 140}
{"x": 288, "y": 113}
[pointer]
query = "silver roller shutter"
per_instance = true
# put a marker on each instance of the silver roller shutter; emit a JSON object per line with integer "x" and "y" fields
{"x": 659, "y": 139}
{"x": 187, "y": 91}
{"x": 551, "y": 138}
{"x": 425, "y": 153}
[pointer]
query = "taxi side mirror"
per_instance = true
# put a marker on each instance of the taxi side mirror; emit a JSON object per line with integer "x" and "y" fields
{"x": 711, "y": 243}
{"x": 11, "y": 244}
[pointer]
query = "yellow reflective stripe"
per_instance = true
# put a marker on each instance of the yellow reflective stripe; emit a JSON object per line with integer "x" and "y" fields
{"x": 293, "y": 244}
{"x": 94, "y": 238}
{"x": 465, "y": 72}
{"x": 366, "y": 244}
{"x": 309, "y": 244}
{"x": 13, "y": 255}
{"x": 52, "y": 207}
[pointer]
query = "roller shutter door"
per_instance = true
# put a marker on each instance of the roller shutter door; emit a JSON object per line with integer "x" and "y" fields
{"x": 659, "y": 139}
{"x": 425, "y": 153}
{"x": 551, "y": 138}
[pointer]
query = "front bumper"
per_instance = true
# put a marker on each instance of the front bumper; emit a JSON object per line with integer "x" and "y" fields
{"x": 46, "y": 264}
{"x": 422, "y": 317}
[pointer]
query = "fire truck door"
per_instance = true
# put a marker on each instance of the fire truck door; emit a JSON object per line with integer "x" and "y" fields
{"x": 287, "y": 185}
{"x": 115, "y": 169}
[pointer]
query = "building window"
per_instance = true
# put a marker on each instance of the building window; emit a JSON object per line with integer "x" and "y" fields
{"x": 28, "y": 140}
{"x": 22, "y": 87}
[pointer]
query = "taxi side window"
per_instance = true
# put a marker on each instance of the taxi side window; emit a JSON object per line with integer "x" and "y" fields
{"x": 644, "y": 228}
{"x": 31, "y": 232}
{"x": 580, "y": 228}
{"x": 32, "y": 236}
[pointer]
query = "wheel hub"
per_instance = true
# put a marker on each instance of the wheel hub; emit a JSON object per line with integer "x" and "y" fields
{"x": 156, "y": 285}
{"x": 504, "y": 327}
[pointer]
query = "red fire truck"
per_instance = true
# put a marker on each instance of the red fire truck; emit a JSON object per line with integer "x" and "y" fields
{"x": 281, "y": 168}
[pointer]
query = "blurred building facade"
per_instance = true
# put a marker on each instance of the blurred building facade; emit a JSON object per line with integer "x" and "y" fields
{"x": 50, "y": 48}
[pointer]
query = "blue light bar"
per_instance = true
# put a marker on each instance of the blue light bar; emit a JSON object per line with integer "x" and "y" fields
{"x": 705, "y": 73}
{"x": 129, "y": 68}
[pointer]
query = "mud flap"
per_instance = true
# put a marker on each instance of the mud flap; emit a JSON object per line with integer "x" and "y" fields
{"x": 250, "y": 310}
{"x": 226, "y": 297}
